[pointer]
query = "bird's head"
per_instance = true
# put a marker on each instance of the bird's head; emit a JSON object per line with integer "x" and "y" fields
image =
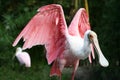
{"x": 92, "y": 36}
{"x": 19, "y": 49}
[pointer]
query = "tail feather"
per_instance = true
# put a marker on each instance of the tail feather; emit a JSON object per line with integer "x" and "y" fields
{"x": 55, "y": 71}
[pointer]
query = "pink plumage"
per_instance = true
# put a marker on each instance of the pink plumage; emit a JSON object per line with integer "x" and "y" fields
{"x": 48, "y": 27}
{"x": 24, "y": 58}
{"x": 80, "y": 23}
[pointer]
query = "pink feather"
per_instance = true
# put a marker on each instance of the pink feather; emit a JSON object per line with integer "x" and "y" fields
{"x": 80, "y": 23}
{"x": 48, "y": 27}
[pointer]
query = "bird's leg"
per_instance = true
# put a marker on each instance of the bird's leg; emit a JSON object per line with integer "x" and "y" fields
{"x": 75, "y": 68}
{"x": 62, "y": 63}
{"x": 60, "y": 77}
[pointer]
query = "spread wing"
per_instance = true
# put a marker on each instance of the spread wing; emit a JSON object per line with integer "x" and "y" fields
{"x": 47, "y": 28}
{"x": 79, "y": 25}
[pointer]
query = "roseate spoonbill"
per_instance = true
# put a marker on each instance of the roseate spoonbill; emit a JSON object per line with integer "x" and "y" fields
{"x": 23, "y": 57}
{"x": 65, "y": 47}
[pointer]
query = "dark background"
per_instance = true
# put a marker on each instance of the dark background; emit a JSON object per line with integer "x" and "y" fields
{"x": 104, "y": 19}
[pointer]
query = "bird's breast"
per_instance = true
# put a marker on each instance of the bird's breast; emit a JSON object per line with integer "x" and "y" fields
{"x": 77, "y": 48}
{"x": 84, "y": 53}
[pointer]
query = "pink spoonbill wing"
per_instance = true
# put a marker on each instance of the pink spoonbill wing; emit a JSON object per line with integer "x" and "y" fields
{"x": 47, "y": 28}
{"x": 80, "y": 23}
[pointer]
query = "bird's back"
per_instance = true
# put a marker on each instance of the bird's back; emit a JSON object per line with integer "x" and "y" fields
{"x": 24, "y": 58}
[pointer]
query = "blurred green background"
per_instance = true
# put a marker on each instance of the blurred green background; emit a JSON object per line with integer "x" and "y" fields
{"x": 104, "y": 19}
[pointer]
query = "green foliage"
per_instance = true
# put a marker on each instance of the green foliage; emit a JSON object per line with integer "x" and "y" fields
{"x": 104, "y": 18}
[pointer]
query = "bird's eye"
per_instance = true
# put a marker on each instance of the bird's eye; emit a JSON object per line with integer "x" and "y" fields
{"x": 90, "y": 36}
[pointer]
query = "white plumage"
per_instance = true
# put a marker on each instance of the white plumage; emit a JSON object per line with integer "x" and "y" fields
{"x": 23, "y": 57}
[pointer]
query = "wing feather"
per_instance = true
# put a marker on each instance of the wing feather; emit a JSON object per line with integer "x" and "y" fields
{"x": 80, "y": 23}
{"x": 47, "y": 27}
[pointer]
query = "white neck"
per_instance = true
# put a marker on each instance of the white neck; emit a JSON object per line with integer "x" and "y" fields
{"x": 86, "y": 50}
{"x": 18, "y": 51}
{"x": 86, "y": 39}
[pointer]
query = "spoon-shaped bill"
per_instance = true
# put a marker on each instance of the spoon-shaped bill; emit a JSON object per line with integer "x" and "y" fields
{"x": 102, "y": 60}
